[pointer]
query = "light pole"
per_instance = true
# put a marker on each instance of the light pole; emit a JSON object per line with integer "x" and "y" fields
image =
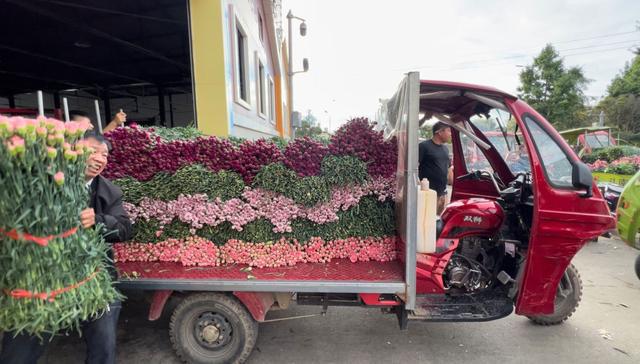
{"x": 290, "y": 72}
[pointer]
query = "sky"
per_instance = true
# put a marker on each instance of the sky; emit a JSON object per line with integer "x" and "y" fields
{"x": 359, "y": 50}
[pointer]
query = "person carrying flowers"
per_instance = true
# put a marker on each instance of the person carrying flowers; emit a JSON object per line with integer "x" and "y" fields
{"x": 105, "y": 213}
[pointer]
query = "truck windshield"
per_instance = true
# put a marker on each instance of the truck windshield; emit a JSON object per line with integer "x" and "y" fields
{"x": 499, "y": 127}
{"x": 598, "y": 140}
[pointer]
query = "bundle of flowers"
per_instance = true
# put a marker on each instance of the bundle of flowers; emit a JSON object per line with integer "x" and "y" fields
{"x": 196, "y": 211}
{"x": 598, "y": 166}
{"x": 227, "y": 191}
{"x": 624, "y": 165}
{"x": 197, "y": 251}
{"x": 53, "y": 272}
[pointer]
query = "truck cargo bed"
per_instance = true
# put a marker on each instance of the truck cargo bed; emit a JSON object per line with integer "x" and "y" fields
{"x": 338, "y": 276}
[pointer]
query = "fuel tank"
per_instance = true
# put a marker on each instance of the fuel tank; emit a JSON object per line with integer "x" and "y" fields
{"x": 474, "y": 216}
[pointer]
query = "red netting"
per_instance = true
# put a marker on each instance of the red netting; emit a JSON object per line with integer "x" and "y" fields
{"x": 336, "y": 270}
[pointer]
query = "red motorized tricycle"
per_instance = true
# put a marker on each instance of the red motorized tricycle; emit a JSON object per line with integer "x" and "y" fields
{"x": 506, "y": 240}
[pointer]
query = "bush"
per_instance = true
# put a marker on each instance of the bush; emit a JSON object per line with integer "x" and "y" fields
{"x": 344, "y": 171}
{"x": 622, "y": 168}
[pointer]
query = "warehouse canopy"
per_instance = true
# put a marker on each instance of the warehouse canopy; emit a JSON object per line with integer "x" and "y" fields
{"x": 91, "y": 45}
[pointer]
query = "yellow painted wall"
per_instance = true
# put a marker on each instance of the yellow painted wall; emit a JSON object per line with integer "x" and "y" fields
{"x": 207, "y": 54}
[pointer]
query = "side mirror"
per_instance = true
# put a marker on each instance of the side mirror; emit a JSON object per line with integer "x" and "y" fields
{"x": 582, "y": 178}
{"x": 305, "y": 64}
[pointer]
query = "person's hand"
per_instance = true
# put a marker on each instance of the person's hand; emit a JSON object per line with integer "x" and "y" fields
{"x": 120, "y": 118}
{"x": 87, "y": 218}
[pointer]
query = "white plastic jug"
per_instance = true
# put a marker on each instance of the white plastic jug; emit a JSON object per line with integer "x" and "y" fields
{"x": 427, "y": 207}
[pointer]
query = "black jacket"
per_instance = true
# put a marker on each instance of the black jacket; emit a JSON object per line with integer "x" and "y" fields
{"x": 105, "y": 199}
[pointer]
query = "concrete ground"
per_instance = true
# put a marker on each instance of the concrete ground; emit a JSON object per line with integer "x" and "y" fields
{"x": 603, "y": 330}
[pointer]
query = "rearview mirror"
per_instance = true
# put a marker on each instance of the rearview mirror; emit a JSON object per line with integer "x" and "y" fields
{"x": 582, "y": 178}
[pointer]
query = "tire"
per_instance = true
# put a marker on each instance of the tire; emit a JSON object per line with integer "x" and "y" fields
{"x": 638, "y": 266}
{"x": 212, "y": 328}
{"x": 568, "y": 296}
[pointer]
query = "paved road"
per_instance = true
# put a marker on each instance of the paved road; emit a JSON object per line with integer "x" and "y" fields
{"x": 603, "y": 330}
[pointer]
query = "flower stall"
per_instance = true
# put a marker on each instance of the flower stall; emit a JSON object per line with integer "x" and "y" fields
{"x": 207, "y": 201}
{"x": 618, "y": 171}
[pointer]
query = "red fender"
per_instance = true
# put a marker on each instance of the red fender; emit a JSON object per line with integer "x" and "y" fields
{"x": 258, "y": 303}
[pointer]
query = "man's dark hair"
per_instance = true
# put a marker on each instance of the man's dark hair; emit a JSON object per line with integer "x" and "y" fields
{"x": 438, "y": 126}
{"x": 74, "y": 113}
{"x": 90, "y": 134}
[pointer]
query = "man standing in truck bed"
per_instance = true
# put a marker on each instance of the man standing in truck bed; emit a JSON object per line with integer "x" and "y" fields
{"x": 434, "y": 162}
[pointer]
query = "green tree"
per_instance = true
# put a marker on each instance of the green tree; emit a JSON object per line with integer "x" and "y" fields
{"x": 627, "y": 81}
{"x": 309, "y": 127}
{"x": 622, "y": 103}
{"x": 553, "y": 90}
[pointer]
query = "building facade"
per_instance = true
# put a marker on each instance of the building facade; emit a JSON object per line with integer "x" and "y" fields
{"x": 238, "y": 68}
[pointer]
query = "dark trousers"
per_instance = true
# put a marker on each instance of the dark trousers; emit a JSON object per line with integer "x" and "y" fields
{"x": 99, "y": 334}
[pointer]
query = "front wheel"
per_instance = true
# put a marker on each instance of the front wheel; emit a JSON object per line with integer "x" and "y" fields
{"x": 568, "y": 297}
{"x": 212, "y": 328}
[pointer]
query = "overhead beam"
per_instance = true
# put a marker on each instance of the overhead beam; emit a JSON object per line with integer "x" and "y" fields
{"x": 115, "y": 12}
{"x": 72, "y": 64}
{"x": 98, "y": 33}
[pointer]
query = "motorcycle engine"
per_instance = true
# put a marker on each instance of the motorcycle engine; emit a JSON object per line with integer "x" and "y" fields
{"x": 470, "y": 266}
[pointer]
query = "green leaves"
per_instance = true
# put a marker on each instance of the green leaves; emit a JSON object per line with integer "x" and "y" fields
{"x": 344, "y": 170}
{"x": 189, "y": 180}
{"x": 307, "y": 191}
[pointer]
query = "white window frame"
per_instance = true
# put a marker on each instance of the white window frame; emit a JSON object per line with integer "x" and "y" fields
{"x": 261, "y": 104}
{"x": 272, "y": 101}
{"x": 239, "y": 28}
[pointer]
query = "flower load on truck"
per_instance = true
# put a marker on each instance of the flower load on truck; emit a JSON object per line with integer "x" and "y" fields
{"x": 53, "y": 271}
{"x": 210, "y": 201}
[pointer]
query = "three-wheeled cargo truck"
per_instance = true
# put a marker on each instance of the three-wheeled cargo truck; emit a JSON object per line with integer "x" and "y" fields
{"x": 505, "y": 241}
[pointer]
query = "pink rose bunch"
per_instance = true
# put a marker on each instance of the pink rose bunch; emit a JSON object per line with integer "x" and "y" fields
{"x": 191, "y": 251}
{"x": 198, "y": 251}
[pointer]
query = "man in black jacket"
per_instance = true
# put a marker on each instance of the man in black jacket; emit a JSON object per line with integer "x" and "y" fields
{"x": 105, "y": 207}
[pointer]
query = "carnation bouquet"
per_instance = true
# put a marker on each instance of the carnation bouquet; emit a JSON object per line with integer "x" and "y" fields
{"x": 53, "y": 270}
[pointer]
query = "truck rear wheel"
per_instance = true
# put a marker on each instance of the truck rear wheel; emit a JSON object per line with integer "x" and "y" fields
{"x": 568, "y": 296}
{"x": 212, "y": 328}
